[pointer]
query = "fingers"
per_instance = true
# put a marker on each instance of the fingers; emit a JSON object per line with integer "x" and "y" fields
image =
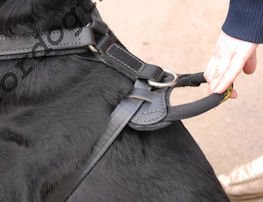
{"x": 219, "y": 71}
{"x": 229, "y": 59}
{"x": 230, "y": 74}
{"x": 210, "y": 68}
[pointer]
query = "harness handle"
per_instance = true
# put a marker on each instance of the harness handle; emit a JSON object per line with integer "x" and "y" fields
{"x": 198, "y": 107}
{"x": 157, "y": 113}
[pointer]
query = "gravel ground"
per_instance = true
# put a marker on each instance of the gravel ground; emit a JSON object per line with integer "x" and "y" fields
{"x": 180, "y": 35}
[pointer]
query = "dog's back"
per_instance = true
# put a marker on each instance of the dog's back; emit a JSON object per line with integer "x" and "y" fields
{"x": 54, "y": 109}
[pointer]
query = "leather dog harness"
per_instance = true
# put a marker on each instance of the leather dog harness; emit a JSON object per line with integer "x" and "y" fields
{"x": 146, "y": 108}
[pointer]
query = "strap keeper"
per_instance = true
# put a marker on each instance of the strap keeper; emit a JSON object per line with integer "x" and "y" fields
{"x": 99, "y": 26}
{"x": 105, "y": 42}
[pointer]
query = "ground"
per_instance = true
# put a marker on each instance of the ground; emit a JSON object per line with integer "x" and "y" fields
{"x": 180, "y": 35}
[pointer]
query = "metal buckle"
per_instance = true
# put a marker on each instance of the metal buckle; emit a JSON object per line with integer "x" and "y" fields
{"x": 99, "y": 28}
{"x": 168, "y": 84}
{"x": 93, "y": 49}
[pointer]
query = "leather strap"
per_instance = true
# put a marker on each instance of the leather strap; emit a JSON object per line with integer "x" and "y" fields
{"x": 111, "y": 51}
{"x": 194, "y": 80}
{"x": 63, "y": 42}
{"x": 125, "y": 62}
{"x": 119, "y": 119}
{"x": 57, "y": 42}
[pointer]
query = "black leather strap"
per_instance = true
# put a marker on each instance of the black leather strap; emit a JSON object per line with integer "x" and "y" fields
{"x": 112, "y": 52}
{"x": 62, "y": 42}
{"x": 198, "y": 107}
{"x": 195, "y": 108}
{"x": 57, "y": 42}
{"x": 194, "y": 80}
{"x": 125, "y": 62}
{"x": 119, "y": 119}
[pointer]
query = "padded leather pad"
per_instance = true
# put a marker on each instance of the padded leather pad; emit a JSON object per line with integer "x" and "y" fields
{"x": 152, "y": 112}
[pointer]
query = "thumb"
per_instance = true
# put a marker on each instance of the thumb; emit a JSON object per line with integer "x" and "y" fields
{"x": 251, "y": 64}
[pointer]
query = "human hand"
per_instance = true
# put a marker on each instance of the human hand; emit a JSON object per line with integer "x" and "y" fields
{"x": 230, "y": 57}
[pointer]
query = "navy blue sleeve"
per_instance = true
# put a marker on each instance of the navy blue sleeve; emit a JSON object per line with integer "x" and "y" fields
{"x": 245, "y": 20}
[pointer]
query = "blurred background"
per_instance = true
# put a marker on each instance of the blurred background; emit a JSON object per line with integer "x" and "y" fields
{"x": 180, "y": 35}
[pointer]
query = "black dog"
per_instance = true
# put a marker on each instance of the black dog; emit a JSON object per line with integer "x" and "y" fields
{"x": 54, "y": 109}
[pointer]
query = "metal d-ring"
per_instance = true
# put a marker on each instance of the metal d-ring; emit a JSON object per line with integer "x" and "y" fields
{"x": 165, "y": 84}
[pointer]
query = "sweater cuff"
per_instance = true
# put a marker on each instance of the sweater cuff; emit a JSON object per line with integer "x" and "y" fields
{"x": 245, "y": 20}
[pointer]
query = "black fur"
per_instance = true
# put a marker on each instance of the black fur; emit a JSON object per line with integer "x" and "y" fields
{"x": 59, "y": 109}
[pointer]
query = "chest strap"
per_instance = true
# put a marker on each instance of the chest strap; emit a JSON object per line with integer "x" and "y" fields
{"x": 119, "y": 119}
